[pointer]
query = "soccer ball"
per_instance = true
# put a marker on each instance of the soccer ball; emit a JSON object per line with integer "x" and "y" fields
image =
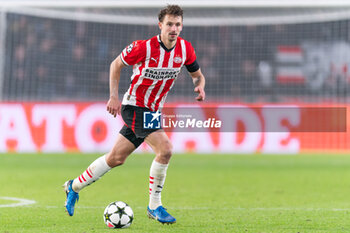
{"x": 118, "y": 215}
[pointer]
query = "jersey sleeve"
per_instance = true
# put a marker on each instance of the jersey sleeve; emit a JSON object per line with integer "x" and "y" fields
{"x": 133, "y": 53}
{"x": 191, "y": 55}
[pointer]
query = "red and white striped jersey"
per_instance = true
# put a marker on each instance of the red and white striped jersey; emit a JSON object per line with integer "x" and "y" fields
{"x": 154, "y": 70}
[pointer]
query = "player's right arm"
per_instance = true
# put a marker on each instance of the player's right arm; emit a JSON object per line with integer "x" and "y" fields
{"x": 113, "y": 105}
{"x": 132, "y": 54}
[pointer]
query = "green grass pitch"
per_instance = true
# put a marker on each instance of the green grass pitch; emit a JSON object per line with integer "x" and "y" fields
{"x": 206, "y": 193}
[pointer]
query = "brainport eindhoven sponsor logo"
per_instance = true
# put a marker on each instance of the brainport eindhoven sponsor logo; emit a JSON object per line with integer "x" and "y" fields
{"x": 156, "y": 120}
{"x": 161, "y": 73}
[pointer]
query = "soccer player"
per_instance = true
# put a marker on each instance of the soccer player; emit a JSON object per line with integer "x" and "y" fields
{"x": 156, "y": 64}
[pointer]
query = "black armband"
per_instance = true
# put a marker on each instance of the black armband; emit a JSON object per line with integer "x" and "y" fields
{"x": 193, "y": 67}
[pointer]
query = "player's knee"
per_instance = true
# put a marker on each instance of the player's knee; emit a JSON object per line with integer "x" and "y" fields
{"x": 166, "y": 150}
{"x": 114, "y": 159}
{"x": 118, "y": 162}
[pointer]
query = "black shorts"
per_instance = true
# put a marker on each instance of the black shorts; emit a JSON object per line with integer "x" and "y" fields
{"x": 133, "y": 128}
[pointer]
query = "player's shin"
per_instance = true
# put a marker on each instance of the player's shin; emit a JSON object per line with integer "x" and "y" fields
{"x": 94, "y": 172}
{"x": 156, "y": 183}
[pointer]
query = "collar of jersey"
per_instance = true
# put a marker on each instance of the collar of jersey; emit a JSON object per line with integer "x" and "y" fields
{"x": 163, "y": 46}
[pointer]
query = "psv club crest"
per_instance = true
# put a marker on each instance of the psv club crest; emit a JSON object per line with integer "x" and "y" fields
{"x": 177, "y": 60}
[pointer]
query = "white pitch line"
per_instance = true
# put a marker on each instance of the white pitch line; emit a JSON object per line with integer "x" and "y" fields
{"x": 20, "y": 202}
{"x": 223, "y": 208}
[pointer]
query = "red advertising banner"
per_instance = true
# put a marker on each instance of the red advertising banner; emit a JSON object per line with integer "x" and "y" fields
{"x": 209, "y": 128}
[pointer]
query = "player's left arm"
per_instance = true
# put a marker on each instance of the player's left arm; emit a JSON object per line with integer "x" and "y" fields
{"x": 194, "y": 69}
{"x": 199, "y": 84}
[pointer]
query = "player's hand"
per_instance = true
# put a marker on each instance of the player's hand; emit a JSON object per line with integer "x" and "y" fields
{"x": 113, "y": 106}
{"x": 201, "y": 93}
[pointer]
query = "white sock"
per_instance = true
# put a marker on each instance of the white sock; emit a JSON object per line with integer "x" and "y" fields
{"x": 156, "y": 182}
{"x": 94, "y": 172}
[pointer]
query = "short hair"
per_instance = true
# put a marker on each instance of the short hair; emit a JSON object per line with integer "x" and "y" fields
{"x": 170, "y": 10}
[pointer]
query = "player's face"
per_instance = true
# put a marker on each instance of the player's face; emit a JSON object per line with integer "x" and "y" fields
{"x": 170, "y": 28}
